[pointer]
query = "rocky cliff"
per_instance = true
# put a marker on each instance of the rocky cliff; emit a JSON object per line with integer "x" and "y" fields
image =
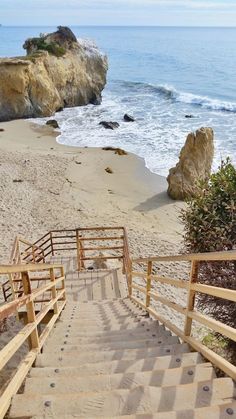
{"x": 194, "y": 164}
{"x": 58, "y": 71}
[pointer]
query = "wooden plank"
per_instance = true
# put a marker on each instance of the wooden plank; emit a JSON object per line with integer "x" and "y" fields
{"x": 102, "y": 248}
{"x": 99, "y": 228}
{"x": 191, "y": 298}
{"x": 227, "y": 294}
{"x": 53, "y": 290}
{"x": 139, "y": 274}
{"x": 179, "y": 283}
{"x": 34, "y": 337}
{"x": 211, "y": 256}
{"x": 217, "y": 326}
{"x": 139, "y": 288}
{"x": 10, "y": 308}
{"x": 101, "y": 238}
{"x": 101, "y": 257}
{"x": 148, "y": 285}
{"x": 166, "y": 302}
{"x": 47, "y": 307}
{"x": 15, "y": 343}
{"x": 5, "y": 269}
{"x": 16, "y": 382}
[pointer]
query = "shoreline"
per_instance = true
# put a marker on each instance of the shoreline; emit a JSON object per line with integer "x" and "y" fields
{"x": 132, "y": 193}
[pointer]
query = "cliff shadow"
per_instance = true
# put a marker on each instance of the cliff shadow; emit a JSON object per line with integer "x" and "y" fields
{"x": 156, "y": 201}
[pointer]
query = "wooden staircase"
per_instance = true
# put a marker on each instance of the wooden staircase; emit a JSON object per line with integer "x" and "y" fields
{"x": 108, "y": 359}
{"x": 97, "y": 345}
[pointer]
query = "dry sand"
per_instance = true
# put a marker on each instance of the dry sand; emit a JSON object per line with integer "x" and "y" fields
{"x": 45, "y": 185}
{"x": 63, "y": 187}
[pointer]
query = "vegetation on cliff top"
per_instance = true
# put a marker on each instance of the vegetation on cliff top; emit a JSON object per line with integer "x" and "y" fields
{"x": 52, "y": 47}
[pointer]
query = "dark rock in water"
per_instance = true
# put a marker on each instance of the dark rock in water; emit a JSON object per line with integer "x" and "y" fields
{"x": 109, "y": 125}
{"x": 128, "y": 118}
{"x": 96, "y": 100}
{"x": 117, "y": 150}
{"x": 189, "y": 116}
{"x": 52, "y": 123}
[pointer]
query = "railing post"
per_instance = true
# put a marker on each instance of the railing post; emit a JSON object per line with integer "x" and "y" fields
{"x": 33, "y": 253}
{"x": 52, "y": 249}
{"x": 130, "y": 279}
{"x": 191, "y": 297}
{"x": 54, "y": 290}
{"x": 34, "y": 337}
{"x": 148, "y": 288}
{"x": 63, "y": 282}
{"x": 78, "y": 250}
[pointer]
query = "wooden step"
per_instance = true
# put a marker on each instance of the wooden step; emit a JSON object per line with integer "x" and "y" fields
{"x": 56, "y": 339}
{"x": 99, "y": 324}
{"x": 121, "y": 366}
{"x": 90, "y": 329}
{"x": 156, "y": 378}
{"x": 224, "y": 411}
{"x": 113, "y": 346}
{"x": 125, "y": 402}
{"x": 76, "y": 359}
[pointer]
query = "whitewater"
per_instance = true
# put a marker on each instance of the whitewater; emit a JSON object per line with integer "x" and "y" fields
{"x": 159, "y": 75}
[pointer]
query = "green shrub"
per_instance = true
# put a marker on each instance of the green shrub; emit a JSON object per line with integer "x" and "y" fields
{"x": 210, "y": 225}
{"x": 53, "y": 48}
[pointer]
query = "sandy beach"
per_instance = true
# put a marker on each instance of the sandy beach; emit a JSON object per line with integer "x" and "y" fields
{"x": 45, "y": 185}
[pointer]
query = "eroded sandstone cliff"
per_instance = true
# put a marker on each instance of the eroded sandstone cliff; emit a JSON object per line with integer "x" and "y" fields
{"x": 58, "y": 71}
{"x": 194, "y": 164}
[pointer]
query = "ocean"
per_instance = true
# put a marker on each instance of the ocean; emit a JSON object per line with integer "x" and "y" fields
{"x": 158, "y": 75}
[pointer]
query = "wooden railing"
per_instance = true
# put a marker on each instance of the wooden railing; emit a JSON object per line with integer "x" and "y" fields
{"x": 22, "y": 252}
{"x": 55, "y": 286}
{"x": 89, "y": 247}
{"x": 89, "y": 244}
{"x": 192, "y": 287}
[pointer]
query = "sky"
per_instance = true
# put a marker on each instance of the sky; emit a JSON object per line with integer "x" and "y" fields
{"x": 118, "y": 12}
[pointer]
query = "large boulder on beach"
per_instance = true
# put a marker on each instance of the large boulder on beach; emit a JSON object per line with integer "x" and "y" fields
{"x": 194, "y": 164}
{"x": 58, "y": 71}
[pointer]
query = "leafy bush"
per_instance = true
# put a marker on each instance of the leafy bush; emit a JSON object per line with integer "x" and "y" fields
{"x": 210, "y": 225}
{"x": 52, "y": 47}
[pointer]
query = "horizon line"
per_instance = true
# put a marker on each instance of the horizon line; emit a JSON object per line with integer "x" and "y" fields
{"x": 119, "y": 26}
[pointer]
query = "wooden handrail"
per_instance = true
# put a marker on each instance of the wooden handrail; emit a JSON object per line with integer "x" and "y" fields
{"x": 200, "y": 257}
{"x": 189, "y": 313}
{"x": 30, "y": 330}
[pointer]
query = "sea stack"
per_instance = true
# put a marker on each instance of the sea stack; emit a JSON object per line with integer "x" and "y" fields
{"x": 194, "y": 164}
{"x": 58, "y": 71}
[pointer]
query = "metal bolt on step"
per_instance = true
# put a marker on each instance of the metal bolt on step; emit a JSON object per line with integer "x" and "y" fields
{"x": 178, "y": 360}
{"x": 206, "y": 388}
{"x": 65, "y": 342}
{"x": 47, "y": 403}
{"x": 154, "y": 336}
{"x": 56, "y": 370}
{"x": 230, "y": 411}
{"x": 52, "y": 385}
{"x": 159, "y": 341}
{"x": 190, "y": 372}
{"x": 62, "y": 349}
